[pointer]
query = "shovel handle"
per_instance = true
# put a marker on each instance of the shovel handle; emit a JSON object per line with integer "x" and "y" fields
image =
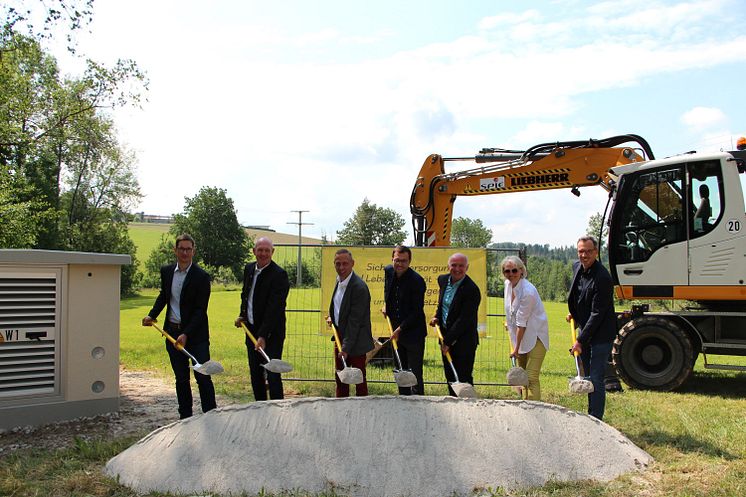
{"x": 575, "y": 353}
{"x": 574, "y": 335}
{"x": 393, "y": 343}
{"x": 440, "y": 336}
{"x": 176, "y": 344}
{"x": 339, "y": 344}
{"x": 253, "y": 340}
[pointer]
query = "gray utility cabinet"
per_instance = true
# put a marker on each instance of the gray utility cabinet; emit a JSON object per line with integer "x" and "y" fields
{"x": 59, "y": 335}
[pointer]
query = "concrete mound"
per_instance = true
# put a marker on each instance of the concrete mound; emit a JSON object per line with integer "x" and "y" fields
{"x": 375, "y": 447}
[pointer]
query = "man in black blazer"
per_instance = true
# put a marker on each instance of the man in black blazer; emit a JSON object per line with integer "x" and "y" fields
{"x": 185, "y": 292}
{"x": 263, "y": 300}
{"x": 591, "y": 304}
{"x": 457, "y": 314}
{"x": 349, "y": 311}
{"x": 404, "y": 297}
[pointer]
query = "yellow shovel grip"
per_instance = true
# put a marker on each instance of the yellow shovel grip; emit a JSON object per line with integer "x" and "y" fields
{"x": 391, "y": 332}
{"x": 248, "y": 333}
{"x": 336, "y": 338}
{"x": 440, "y": 335}
{"x": 574, "y": 336}
{"x": 168, "y": 337}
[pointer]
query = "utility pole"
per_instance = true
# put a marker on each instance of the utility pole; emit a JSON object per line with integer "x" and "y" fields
{"x": 299, "y": 270}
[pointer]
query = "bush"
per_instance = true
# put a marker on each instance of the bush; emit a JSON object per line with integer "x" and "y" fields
{"x": 310, "y": 273}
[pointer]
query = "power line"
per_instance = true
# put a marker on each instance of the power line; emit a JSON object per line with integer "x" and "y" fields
{"x": 299, "y": 270}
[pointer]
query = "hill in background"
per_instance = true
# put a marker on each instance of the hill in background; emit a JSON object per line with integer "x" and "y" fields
{"x": 147, "y": 236}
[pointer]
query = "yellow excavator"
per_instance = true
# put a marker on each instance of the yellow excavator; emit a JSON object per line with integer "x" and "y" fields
{"x": 677, "y": 231}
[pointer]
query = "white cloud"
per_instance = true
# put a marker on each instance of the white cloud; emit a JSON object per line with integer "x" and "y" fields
{"x": 247, "y": 106}
{"x": 700, "y": 118}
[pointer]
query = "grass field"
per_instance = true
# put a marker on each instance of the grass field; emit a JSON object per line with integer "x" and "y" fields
{"x": 697, "y": 435}
{"x": 146, "y": 237}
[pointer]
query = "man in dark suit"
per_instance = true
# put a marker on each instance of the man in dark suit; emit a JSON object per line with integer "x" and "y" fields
{"x": 185, "y": 291}
{"x": 349, "y": 311}
{"x": 263, "y": 300}
{"x": 591, "y": 304}
{"x": 457, "y": 314}
{"x": 404, "y": 297}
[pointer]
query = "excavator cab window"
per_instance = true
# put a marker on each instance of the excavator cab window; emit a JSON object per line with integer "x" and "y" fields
{"x": 706, "y": 183}
{"x": 651, "y": 213}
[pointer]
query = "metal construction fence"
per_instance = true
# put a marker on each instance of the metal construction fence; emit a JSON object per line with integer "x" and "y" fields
{"x": 308, "y": 345}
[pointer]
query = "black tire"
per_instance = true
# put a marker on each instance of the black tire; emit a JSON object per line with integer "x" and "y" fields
{"x": 653, "y": 353}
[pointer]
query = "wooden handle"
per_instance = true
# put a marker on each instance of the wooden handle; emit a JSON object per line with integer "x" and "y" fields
{"x": 574, "y": 336}
{"x": 391, "y": 332}
{"x": 336, "y": 338}
{"x": 248, "y": 333}
{"x": 168, "y": 337}
{"x": 440, "y": 335}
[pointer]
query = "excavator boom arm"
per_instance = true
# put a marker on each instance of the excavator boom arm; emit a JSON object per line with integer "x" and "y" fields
{"x": 542, "y": 167}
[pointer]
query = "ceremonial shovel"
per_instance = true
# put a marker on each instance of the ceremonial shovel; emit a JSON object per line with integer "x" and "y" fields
{"x": 273, "y": 365}
{"x": 580, "y": 383}
{"x": 460, "y": 389}
{"x": 348, "y": 375}
{"x": 208, "y": 368}
{"x": 403, "y": 378}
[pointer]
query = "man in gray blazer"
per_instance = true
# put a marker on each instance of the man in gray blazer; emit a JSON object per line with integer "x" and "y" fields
{"x": 349, "y": 311}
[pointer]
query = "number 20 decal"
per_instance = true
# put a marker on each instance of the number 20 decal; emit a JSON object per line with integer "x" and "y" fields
{"x": 734, "y": 225}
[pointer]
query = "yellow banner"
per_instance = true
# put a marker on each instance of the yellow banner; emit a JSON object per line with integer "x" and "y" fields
{"x": 429, "y": 262}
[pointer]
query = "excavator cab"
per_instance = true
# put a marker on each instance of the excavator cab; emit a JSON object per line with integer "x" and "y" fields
{"x": 667, "y": 217}
{"x": 677, "y": 230}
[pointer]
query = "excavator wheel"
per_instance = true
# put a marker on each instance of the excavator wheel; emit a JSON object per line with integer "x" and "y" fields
{"x": 653, "y": 353}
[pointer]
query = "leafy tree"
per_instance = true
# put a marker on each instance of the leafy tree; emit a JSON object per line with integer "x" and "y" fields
{"x": 467, "y": 232}
{"x": 372, "y": 225}
{"x": 596, "y": 226}
{"x": 211, "y": 219}
{"x": 71, "y": 182}
{"x": 161, "y": 255}
{"x": 39, "y": 19}
{"x": 19, "y": 217}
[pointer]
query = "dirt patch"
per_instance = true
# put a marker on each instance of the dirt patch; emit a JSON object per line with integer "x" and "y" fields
{"x": 146, "y": 402}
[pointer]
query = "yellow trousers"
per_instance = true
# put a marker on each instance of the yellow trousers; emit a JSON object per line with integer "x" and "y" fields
{"x": 531, "y": 362}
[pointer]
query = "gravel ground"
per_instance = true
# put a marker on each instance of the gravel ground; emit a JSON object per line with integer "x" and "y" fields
{"x": 146, "y": 403}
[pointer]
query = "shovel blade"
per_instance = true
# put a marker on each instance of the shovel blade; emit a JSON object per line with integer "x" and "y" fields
{"x": 517, "y": 377}
{"x": 580, "y": 385}
{"x": 405, "y": 379}
{"x": 350, "y": 376}
{"x": 278, "y": 366}
{"x": 208, "y": 368}
{"x": 464, "y": 390}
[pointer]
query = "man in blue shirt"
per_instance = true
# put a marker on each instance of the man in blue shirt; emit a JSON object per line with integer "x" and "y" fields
{"x": 458, "y": 305}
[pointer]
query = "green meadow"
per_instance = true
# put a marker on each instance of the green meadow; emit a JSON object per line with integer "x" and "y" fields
{"x": 697, "y": 434}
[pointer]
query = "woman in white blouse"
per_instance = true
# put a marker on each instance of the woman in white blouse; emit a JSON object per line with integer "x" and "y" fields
{"x": 526, "y": 321}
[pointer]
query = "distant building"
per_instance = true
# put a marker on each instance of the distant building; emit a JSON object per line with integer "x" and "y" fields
{"x": 259, "y": 228}
{"x": 152, "y": 218}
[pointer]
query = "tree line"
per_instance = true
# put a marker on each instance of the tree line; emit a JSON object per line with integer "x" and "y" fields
{"x": 66, "y": 180}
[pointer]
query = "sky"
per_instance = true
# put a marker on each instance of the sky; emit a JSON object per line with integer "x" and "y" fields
{"x": 297, "y": 105}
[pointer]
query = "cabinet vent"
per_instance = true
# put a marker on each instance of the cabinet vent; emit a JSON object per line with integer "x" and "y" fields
{"x": 28, "y": 324}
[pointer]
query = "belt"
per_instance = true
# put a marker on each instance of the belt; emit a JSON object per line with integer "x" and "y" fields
{"x": 174, "y": 326}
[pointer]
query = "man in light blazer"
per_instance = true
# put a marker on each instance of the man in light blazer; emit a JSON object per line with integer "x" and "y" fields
{"x": 349, "y": 311}
{"x": 263, "y": 301}
{"x": 185, "y": 292}
{"x": 457, "y": 314}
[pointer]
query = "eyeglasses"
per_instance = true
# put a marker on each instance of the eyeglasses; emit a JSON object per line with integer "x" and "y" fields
{"x": 509, "y": 271}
